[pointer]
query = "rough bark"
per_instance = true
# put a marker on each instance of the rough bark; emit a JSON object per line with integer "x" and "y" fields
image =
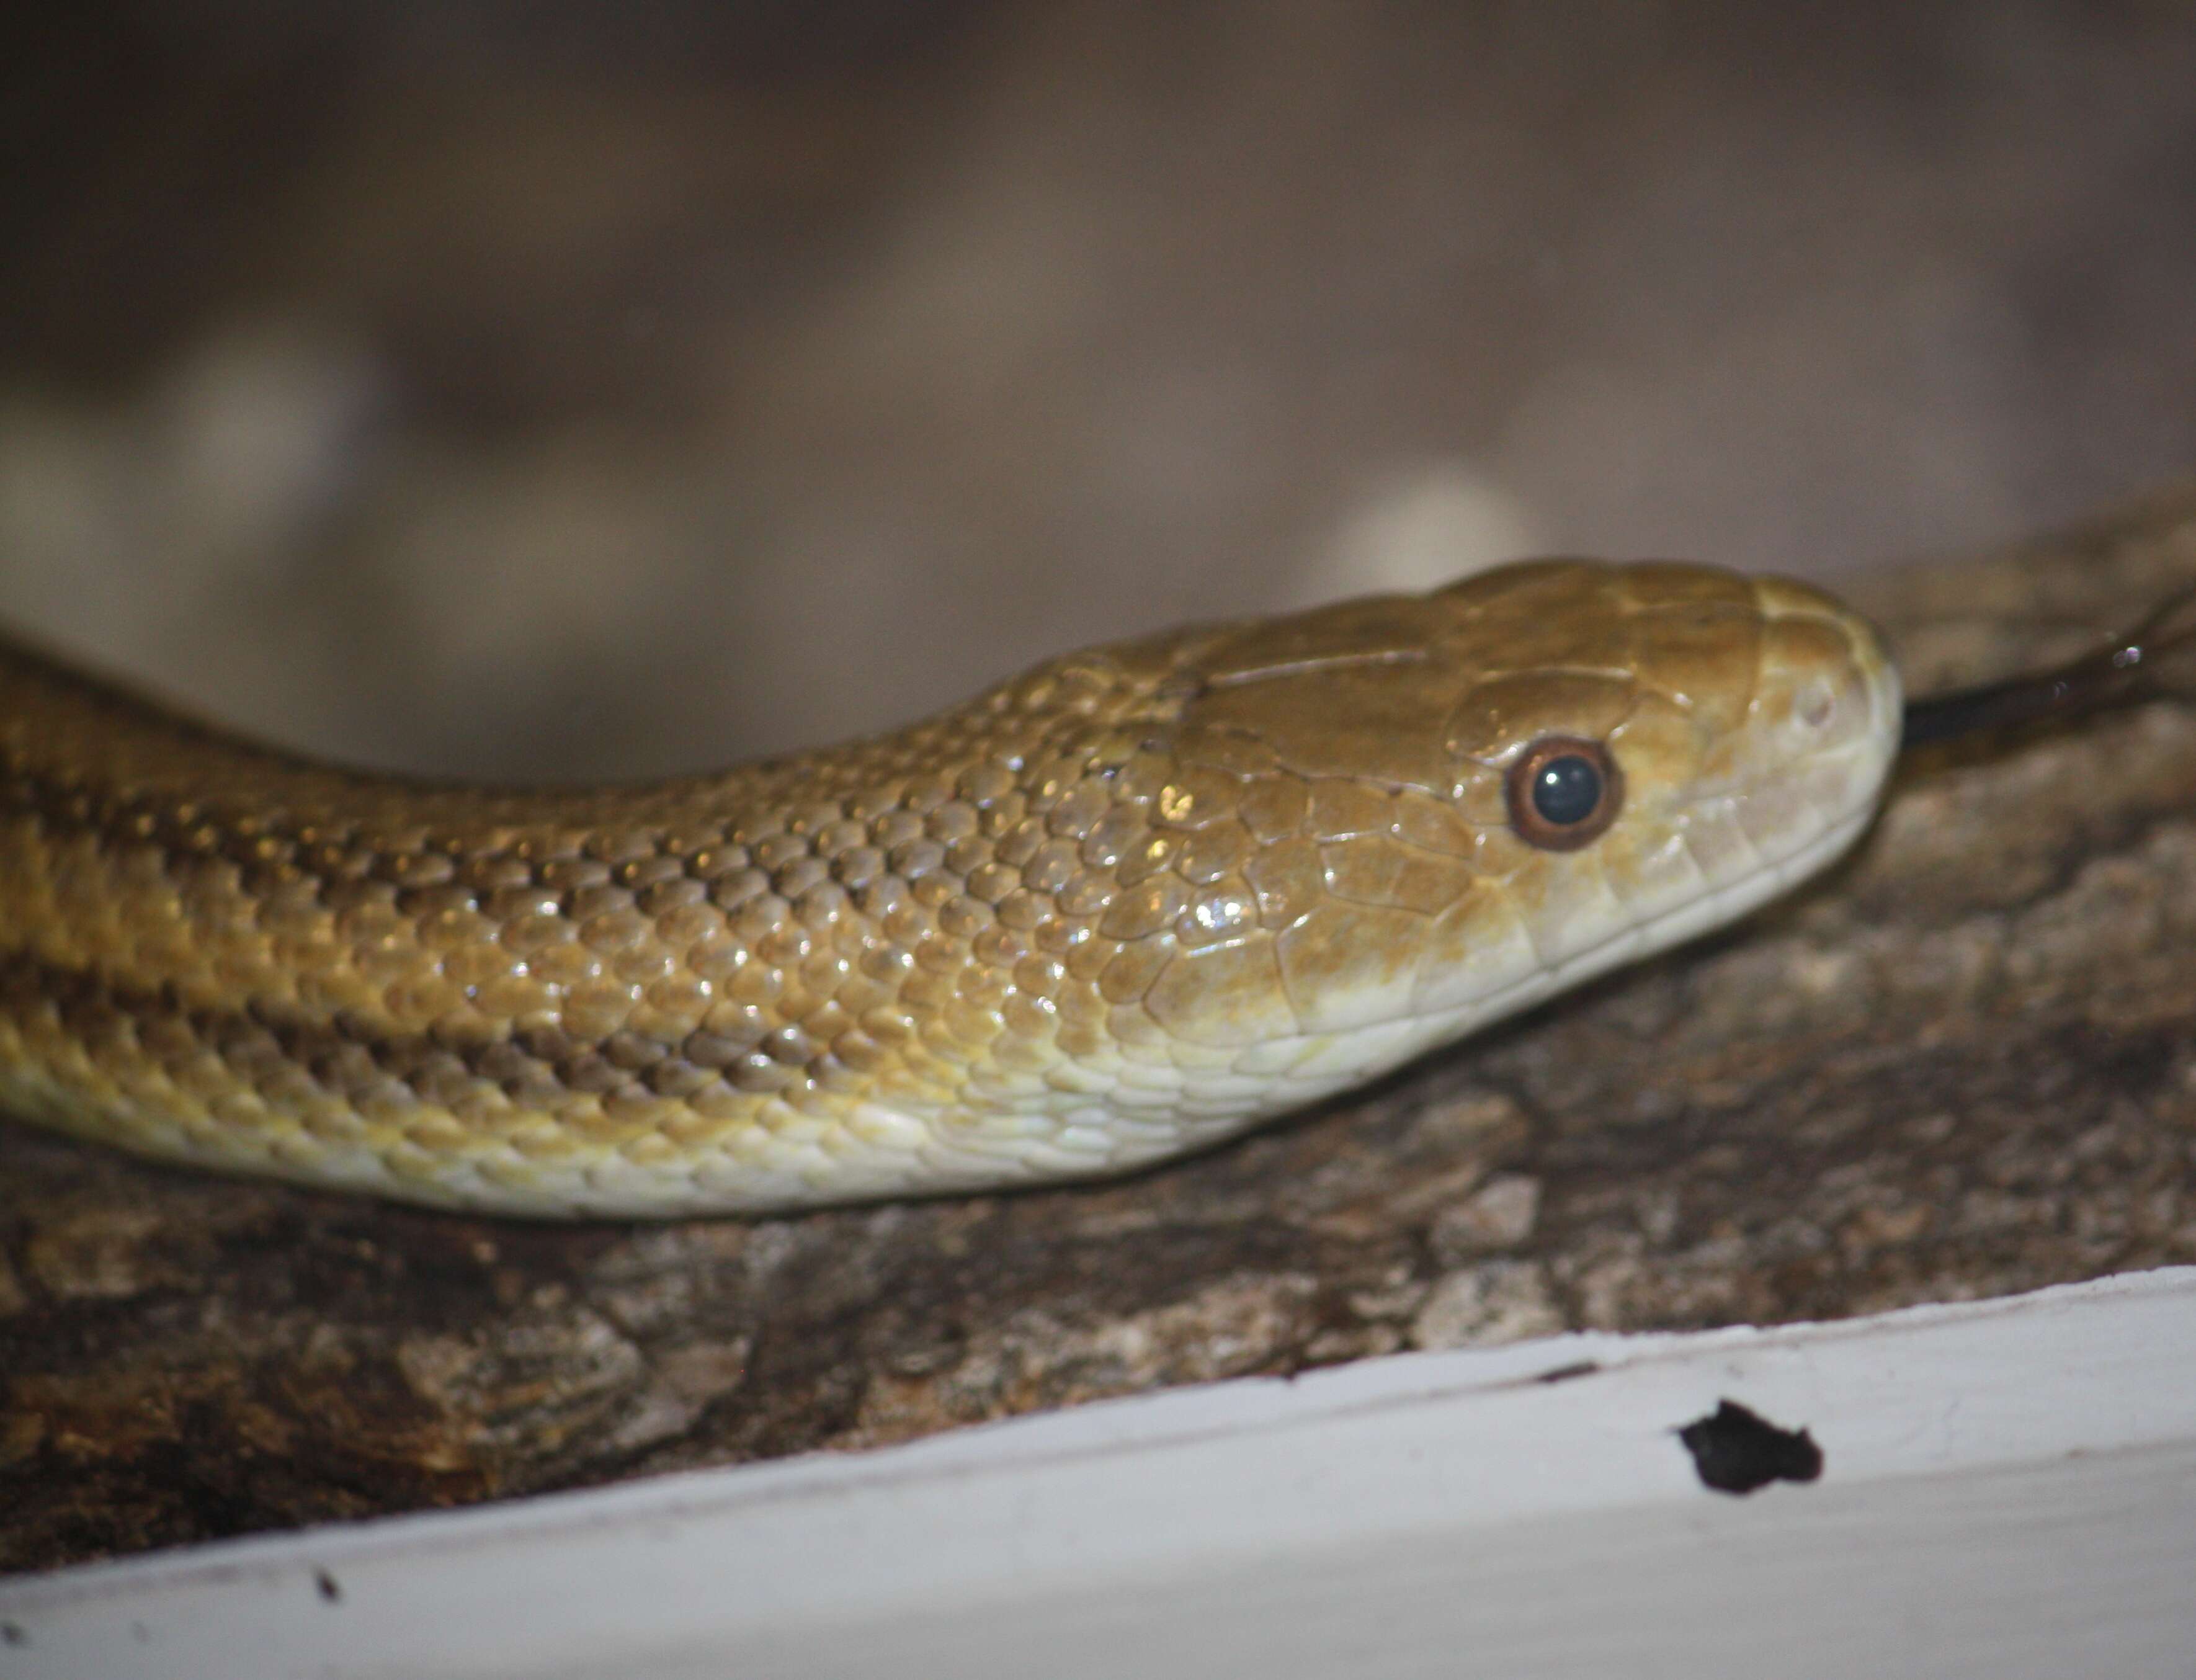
{"x": 1963, "y": 1063}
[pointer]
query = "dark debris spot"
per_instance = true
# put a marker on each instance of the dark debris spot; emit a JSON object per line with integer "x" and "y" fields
{"x": 1735, "y": 1451}
{"x": 329, "y": 1588}
{"x": 13, "y": 1633}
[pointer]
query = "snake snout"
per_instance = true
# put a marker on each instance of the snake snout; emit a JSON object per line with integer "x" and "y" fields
{"x": 1822, "y": 730}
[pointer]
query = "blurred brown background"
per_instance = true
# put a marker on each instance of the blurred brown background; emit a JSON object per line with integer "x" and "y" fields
{"x": 557, "y": 390}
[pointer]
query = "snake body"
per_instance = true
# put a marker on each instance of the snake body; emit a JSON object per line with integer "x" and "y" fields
{"x": 1129, "y": 903}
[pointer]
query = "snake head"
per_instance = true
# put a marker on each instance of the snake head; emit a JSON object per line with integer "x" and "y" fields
{"x": 1452, "y": 806}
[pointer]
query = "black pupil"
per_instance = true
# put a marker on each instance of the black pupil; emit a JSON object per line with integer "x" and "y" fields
{"x": 1567, "y": 790}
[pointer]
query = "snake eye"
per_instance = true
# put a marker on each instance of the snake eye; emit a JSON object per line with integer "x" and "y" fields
{"x": 1564, "y": 793}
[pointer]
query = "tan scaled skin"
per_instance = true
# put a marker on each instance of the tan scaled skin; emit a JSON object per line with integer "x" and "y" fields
{"x": 1129, "y": 903}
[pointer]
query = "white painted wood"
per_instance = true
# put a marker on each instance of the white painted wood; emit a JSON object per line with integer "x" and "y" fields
{"x": 2010, "y": 1490}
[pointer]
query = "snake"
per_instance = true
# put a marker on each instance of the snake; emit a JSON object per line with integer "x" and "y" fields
{"x": 1122, "y": 906}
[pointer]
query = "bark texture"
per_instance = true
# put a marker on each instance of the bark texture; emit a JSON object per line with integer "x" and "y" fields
{"x": 1963, "y": 1065}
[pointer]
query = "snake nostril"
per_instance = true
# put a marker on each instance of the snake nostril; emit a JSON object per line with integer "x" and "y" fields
{"x": 1816, "y": 704}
